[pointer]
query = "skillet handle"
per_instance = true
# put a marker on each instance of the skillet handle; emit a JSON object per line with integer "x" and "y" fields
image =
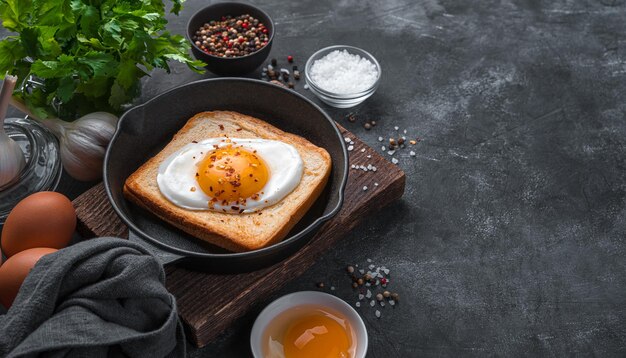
{"x": 164, "y": 256}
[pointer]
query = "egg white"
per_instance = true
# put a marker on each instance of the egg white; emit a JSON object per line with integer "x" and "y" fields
{"x": 177, "y": 174}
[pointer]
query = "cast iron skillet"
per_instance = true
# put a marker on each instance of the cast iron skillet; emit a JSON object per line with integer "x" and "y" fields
{"x": 146, "y": 129}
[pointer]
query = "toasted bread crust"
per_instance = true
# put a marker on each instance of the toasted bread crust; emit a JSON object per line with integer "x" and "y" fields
{"x": 235, "y": 232}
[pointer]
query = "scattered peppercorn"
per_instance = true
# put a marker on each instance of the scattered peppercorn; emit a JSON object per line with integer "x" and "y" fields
{"x": 290, "y": 58}
{"x": 386, "y": 294}
{"x": 395, "y": 296}
{"x": 379, "y": 296}
{"x": 367, "y": 125}
{"x": 350, "y": 269}
{"x": 232, "y": 36}
{"x": 392, "y": 142}
{"x": 320, "y": 284}
{"x": 351, "y": 117}
{"x": 413, "y": 142}
{"x": 278, "y": 83}
{"x": 355, "y": 285}
{"x": 285, "y": 76}
{"x": 368, "y": 277}
{"x": 296, "y": 74}
{"x": 274, "y": 62}
{"x": 360, "y": 282}
{"x": 373, "y": 123}
{"x": 400, "y": 140}
{"x": 290, "y": 84}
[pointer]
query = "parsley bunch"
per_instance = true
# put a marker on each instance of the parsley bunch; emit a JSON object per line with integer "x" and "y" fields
{"x": 89, "y": 54}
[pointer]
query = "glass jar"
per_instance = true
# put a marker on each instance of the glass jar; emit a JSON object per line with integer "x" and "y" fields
{"x": 43, "y": 162}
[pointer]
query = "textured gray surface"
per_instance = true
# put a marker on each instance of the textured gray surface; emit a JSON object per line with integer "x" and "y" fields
{"x": 510, "y": 237}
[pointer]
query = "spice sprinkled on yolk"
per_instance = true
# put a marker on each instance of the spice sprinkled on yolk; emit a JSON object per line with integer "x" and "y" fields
{"x": 232, "y": 174}
{"x": 316, "y": 336}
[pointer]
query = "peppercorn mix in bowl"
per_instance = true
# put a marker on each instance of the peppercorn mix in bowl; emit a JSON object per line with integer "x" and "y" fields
{"x": 231, "y": 38}
{"x": 342, "y": 76}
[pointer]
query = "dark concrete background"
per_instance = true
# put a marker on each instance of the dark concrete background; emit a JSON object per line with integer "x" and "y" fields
{"x": 509, "y": 240}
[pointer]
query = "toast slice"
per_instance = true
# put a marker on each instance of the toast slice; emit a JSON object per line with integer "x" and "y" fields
{"x": 234, "y": 232}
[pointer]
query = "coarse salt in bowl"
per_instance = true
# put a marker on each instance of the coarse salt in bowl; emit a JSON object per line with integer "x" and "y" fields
{"x": 342, "y": 76}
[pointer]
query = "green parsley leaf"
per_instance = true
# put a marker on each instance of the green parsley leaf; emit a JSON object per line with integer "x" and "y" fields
{"x": 89, "y": 54}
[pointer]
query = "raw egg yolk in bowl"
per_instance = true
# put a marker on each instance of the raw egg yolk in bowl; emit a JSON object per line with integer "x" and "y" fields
{"x": 310, "y": 332}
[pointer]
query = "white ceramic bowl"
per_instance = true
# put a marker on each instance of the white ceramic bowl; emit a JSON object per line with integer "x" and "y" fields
{"x": 307, "y": 298}
{"x": 341, "y": 100}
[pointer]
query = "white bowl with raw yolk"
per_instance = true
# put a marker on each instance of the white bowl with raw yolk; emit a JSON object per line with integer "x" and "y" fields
{"x": 308, "y": 324}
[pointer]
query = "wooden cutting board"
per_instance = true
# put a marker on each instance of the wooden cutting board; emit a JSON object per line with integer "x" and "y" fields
{"x": 232, "y": 295}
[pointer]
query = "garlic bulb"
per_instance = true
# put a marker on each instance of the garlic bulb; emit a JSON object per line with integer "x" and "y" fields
{"x": 11, "y": 159}
{"x": 83, "y": 143}
{"x": 11, "y": 156}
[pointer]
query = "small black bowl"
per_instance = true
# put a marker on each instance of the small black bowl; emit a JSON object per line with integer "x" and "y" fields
{"x": 229, "y": 66}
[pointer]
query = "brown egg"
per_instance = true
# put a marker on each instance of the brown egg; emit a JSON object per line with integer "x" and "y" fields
{"x": 14, "y": 271}
{"x": 44, "y": 219}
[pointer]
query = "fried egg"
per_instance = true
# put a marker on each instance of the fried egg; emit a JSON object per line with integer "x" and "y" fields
{"x": 232, "y": 175}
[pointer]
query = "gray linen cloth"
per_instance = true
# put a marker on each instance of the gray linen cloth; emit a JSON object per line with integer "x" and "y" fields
{"x": 99, "y": 298}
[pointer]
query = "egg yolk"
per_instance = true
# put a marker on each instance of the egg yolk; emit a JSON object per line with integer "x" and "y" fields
{"x": 232, "y": 174}
{"x": 317, "y": 336}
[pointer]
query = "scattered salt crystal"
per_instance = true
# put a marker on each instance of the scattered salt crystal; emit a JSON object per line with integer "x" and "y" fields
{"x": 332, "y": 288}
{"x": 306, "y": 86}
{"x": 368, "y": 294}
{"x": 392, "y": 302}
{"x": 385, "y": 270}
{"x": 376, "y": 184}
{"x": 369, "y": 260}
{"x": 270, "y": 67}
{"x": 367, "y": 284}
{"x": 383, "y": 147}
{"x": 391, "y": 152}
{"x": 364, "y": 188}
{"x": 380, "y": 139}
{"x": 350, "y": 148}
{"x": 373, "y": 303}
{"x": 369, "y": 156}
{"x": 374, "y": 169}
{"x": 343, "y": 72}
{"x": 396, "y": 127}
{"x": 377, "y": 314}
{"x": 363, "y": 150}
{"x": 412, "y": 153}
{"x": 351, "y": 143}
{"x": 353, "y": 166}
{"x": 358, "y": 304}
{"x": 394, "y": 160}
{"x": 362, "y": 271}
{"x": 404, "y": 133}
{"x": 382, "y": 303}
{"x": 371, "y": 267}
{"x": 348, "y": 140}
{"x": 377, "y": 282}
{"x": 361, "y": 296}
